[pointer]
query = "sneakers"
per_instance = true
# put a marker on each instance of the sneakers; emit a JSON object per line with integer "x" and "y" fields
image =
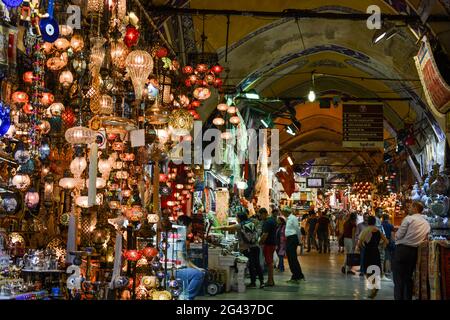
{"x": 384, "y": 278}
{"x": 262, "y": 285}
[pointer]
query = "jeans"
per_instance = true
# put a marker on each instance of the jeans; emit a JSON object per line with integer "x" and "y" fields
{"x": 281, "y": 263}
{"x": 403, "y": 264}
{"x": 291, "y": 252}
{"x": 192, "y": 281}
{"x": 348, "y": 246}
{"x": 311, "y": 240}
{"x": 254, "y": 267}
{"x": 324, "y": 245}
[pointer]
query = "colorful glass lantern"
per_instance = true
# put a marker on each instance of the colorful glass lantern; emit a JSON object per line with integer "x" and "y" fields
{"x": 21, "y": 181}
{"x": 222, "y": 107}
{"x": 32, "y": 198}
{"x": 202, "y": 93}
{"x": 77, "y": 166}
{"x": 119, "y": 52}
{"x": 62, "y": 44}
{"x": 139, "y": 65}
{"x": 106, "y": 105}
{"x": 132, "y": 255}
{"x": 131, "y": 36}
{"x": 56, "y": 109}
{"x": 47, "y": 98}
{"x": 181, "y": 122}
{"x": 80, "y": 135}
{"x": 68, "y": 117}
{"x": 28, "y": 77}
{"x": 68, "y": 183}
{"x": 66, "y": 78}
{"x": 77, "y": 43}
{"x": 218, "y": 121}
{"x": 19, "y": 97}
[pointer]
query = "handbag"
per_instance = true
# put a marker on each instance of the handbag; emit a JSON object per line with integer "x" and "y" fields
{"x": 353, "y": 259}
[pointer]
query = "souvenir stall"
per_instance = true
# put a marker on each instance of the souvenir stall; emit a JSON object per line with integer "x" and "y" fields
{"x": 92, "y": 109}
{"x": 432, "y": 270}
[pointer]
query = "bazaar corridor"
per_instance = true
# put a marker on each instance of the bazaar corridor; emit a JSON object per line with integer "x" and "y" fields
{"x": 324, "y": 281}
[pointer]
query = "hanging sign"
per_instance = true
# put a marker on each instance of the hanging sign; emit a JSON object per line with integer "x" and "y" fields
{"x": 362, "y": 126}
{"x": 437, "y": 91}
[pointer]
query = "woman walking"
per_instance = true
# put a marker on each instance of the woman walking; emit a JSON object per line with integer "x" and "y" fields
{"x": 281, "y": 242}
{"x": 370, "y": 240}
{"x": 349, "y": 240}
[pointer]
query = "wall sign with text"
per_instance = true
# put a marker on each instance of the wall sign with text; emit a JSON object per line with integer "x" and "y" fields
{"x": 362, "y": 126}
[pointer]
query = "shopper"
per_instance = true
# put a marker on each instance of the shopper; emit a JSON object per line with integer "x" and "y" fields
{"x": 370, "y": 240}
{"x": 268, "y": 242}
{"x": 323, "y": 230}
{"x": 340, "y": 231}
{"x": 191, "y": 276}
{"x": 281, "y": 242}
{"x": 390, "y": 235}
{"x": 311, "y": 227}
{"x": 349, "y": 239}
{"x": 304, "y": 234}
{"x": 359, "y": 229}
{"x": 412, "y": 232}
{"x": 247, "y": 235}
{"x": 378, "y": 216}
{"x": 292, "y": 232}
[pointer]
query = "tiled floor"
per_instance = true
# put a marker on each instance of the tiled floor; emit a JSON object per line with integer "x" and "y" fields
{"x": 324, "y": 281}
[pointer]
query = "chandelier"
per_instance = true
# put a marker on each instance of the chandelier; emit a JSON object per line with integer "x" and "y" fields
{"x": 139, "y": 65}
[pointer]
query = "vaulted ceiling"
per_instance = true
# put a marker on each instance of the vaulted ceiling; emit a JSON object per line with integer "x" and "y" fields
{"x": 276, "y": 57}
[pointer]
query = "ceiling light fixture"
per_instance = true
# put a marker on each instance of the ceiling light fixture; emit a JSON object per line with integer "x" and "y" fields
{"x": 386, "y": 32}
{"x": 252, "y": 95}
{"x": 289, "y": 159}
{"x": 312, "y": 94}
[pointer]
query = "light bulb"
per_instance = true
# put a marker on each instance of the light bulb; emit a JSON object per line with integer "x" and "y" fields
{"x": 311, "y": 96}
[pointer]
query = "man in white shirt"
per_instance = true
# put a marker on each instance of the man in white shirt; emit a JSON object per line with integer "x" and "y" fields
{"x": 292, "y": 233}
{"x": 413, "y": 231}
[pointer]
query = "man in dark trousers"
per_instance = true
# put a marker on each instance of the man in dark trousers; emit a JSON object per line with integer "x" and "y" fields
{"x": 311, "y": 230}
{"x": 292, "y": 232}
{"x": 413, "y": 231}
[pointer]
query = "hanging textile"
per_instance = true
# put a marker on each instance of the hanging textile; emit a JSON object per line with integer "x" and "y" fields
{"x": 71, "y": 235}
{"x": 222, "y": 205}
{"x": 262, "y": 184}
{"x": 117, "y": 259}
{"x": 421, "y": 274}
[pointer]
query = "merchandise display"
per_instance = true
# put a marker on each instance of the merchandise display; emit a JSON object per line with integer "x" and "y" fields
{"x": 180, "y": 150}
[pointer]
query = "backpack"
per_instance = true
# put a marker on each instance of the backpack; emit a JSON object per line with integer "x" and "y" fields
{"x": 249, "y": 233}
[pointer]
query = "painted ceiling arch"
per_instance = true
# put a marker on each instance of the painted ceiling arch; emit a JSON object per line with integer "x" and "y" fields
{"x": 269, "y": 55}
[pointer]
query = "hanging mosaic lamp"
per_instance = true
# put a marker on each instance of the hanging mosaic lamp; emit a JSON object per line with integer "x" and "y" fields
{"x": 106, "y": 105}
{"x": 80, "y": 135}
{"x": 32, "y": 198}
{"x": 119, "y": 52}
{"x": 21, "y": 181}
{"x": 181, "y": 122}
{"x": 139, "y": 65}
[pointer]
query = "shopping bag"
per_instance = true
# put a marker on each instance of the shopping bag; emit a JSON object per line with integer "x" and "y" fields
{"x": 353, "y": 259}
{"x": 275, "y": 258}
